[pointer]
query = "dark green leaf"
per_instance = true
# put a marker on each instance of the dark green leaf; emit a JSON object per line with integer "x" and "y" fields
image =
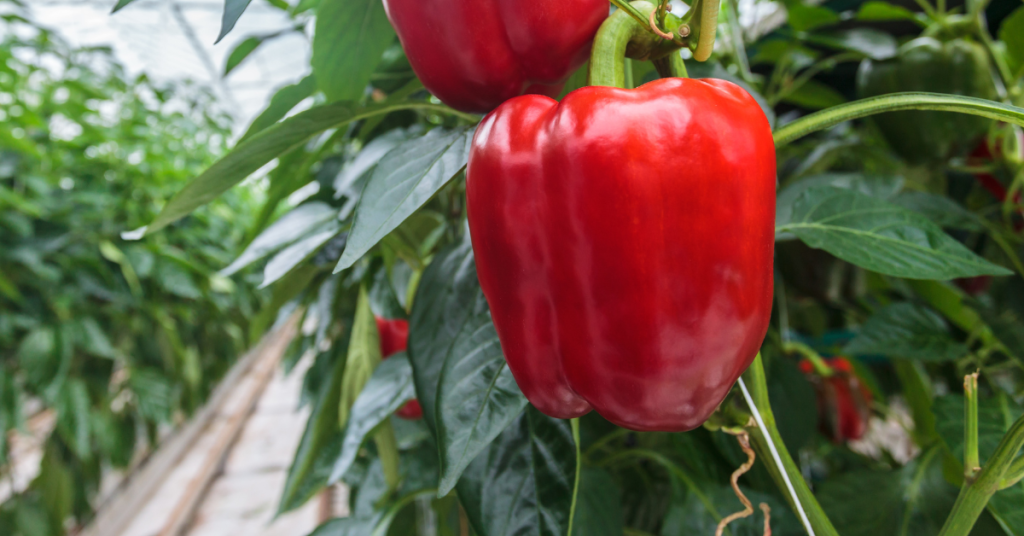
{"x": 522, "y": 483}
{"x": 1011, "y": 33}
{"x": 869, "y": 42}
{"x": 1005, "y": 506}
{"x": 347, "y": 182}
{"x": 599, "y": 505}
{"x": 879, "y": 186}
{"x": 281, "y": 103}
{"x": 121, "y": 4}
{"x": 477, "y": 397}
{"x": 363, "y": 356}
{"x": 688, "y": 513}
{"x": 293, "y": 255}
{"x": 291, "y": 227}
{"x": 813, "y": 95}
{"x": 350, "y": 38}
{"x": 390, "y": 386}
{"x": 794, "y": 402}
{"x": 913, "y": 500}
{"x": 442, "y": 307}
{"x": 906, "y": 330}
{"x": 241, "y": 52}
{"x": 232, "y": 10}
{"x": 940, "y": 209}
{"x": 251, "y": 154}
{"x": 876, "y": 10}
{"x": 409, "y": 175}
{"x": 803, "y": 17}
{"x": 881, "y": 237}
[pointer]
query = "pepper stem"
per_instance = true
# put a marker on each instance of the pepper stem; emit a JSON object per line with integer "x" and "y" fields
{"x": 622, "y": 36}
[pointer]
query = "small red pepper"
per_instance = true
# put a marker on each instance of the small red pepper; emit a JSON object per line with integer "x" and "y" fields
{"x": 476, "y": 54}
{"x": 394, "y": 336}
{"x": 844, "y": 402}
{"x": 624, "y": 242}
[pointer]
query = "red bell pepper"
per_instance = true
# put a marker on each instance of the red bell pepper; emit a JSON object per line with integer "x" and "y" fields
{"x": 394, "y": 336}
{"x": 476, "y": 54}
{"x": 624, "y": 241}
{"x": 844, "y": 402}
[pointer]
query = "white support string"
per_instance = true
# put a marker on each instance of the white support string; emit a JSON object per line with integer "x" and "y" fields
{"x": 777, "y": 458}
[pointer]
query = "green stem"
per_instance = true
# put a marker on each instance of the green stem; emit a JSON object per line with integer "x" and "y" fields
{"x": 671, "y": 66}
{"x": 895, "y": 102}
{"x": 816, "y": 360}
{"x": 972, "y": 462}
{"x": 632, "y": 12}
{"x": 621, "y": 36}
{"x": 579, "y": 469}
{"x": 975, "y": 495}
{"x": 757, "y": 384}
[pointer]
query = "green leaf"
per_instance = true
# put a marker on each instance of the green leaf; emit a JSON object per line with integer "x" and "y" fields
{"x": 305, "y": 478}
{"x": 523, "y": 482}
{"x": 37, "y": 354}
{"x": 599, "y": 507}
{"x": 291, "y": 227}
{"x": 868, "y": 42}
{"x": 363, "y": 356}
{"x": 293, "y": 255}
{"x": 1005, "y": 506}
{"x": 477, "y": 397}
{"x": 881, "y": 237}
{"x": 409, "y": 175}
{"x": 121, "y": 4}
{"x": 351, "y": 36}
{"x": 876, "y": 10}
{"x": 286, "y": 98}
{"x": 73, "y": 417}
{"x": 803, "y": 17}
{"x": 688, "y": 514}
{"x": 995, "y": 415}
{"x": 241, "y": 52}
{"x": 879, "y": 186}
{"x": 347, "y": 182}
{"x": 906, "y": 330}
{"x": 814, "y": 95}
{"x": 232, "y": 10}
{"x": 1011, "y": 32}
{"x": 253, "y": 153}
{"x": 795, "y": 403}
{"x": 911, "y": 501}
{"x": 940, "y": 209}
{"x": 389, "y": 387}
{"x": 443, "y": 305}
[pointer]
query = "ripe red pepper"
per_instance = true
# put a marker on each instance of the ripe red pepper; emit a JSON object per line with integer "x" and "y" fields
{"x": 476, "y": 54}
{"x": 394, "y": 336}
{"x": 624, "y": 241}
{"x": 844, "y": 402}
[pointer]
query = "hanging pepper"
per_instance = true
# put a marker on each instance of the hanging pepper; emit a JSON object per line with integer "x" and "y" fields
{"x": 394, "y": 335}
{"x": 476, "y": 54}
{"x": 844, "y": 402}
{"x": 958, "y": 67}
{"x": 624, "y": 240}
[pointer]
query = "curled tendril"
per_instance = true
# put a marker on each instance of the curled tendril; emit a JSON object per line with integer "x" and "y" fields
{"x": 748, "y": 509}
{"x": 655, "y": 29}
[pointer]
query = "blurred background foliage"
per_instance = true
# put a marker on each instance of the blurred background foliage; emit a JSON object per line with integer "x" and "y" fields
{"x": 114, "y": 341}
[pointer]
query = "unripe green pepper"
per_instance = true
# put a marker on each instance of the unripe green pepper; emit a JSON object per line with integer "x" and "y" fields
{"x": 957, "y": 67}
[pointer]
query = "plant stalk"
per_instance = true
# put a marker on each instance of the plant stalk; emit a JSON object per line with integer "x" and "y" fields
{"x": 974, "y": 496}
{"x": 895, "y": 102}
{"x": 756, "y": 381}
{"x": 972, "y": 461}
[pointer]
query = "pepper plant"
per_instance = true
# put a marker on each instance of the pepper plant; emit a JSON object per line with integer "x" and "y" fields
{"x": 116, "y": 341}
{"x": 604, "y": 323}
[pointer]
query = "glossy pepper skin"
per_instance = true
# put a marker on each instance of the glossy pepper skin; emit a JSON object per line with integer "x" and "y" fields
{"x": 957, "y": 67}
{"x": 394, "y": 336}
{"x": 623, "y": 240}
{"x": 476, "y": 54}
{"x": 843, "y": 400}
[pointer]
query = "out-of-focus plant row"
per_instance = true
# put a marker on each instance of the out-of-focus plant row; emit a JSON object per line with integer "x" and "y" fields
{"x": 120, "y": 340}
